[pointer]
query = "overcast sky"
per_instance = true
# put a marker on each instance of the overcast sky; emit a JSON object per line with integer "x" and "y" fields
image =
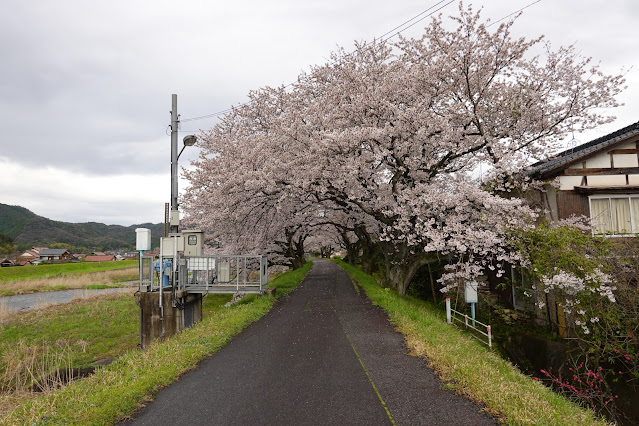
{"x": 85, "y": 86}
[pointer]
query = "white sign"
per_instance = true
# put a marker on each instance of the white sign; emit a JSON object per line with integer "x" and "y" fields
{"x": 471, "y": 292}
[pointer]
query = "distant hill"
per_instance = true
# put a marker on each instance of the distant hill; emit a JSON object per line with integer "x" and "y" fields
{"x": 28, "y": 229}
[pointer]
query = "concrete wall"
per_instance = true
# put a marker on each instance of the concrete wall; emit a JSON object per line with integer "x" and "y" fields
{"x": 175, "y": 319}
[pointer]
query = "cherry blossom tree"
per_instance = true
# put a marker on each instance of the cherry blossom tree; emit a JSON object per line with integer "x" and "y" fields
{"x": 388, "y": 137}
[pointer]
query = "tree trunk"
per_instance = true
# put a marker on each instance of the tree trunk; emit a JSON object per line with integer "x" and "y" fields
{"x": 400, "y": 275}
{"x": 432, "y": 283}
{"x": 352, "y": 249}
{"x": 401, "y": 265}
{"x": 370, "y": 259}
{"x": 371, "y": 251}
{"x": 294, "y": 248}
{"x": 298, "y": 259}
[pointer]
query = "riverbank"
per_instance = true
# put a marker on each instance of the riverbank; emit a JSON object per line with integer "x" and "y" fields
{"x": 36, "y": 283}
{"x": 27, "y": 302}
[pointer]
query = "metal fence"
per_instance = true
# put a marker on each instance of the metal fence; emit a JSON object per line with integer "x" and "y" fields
{"x": 235, "y": 274}
{"x": 146, "y": 273}
{"x": 477, "y": 328}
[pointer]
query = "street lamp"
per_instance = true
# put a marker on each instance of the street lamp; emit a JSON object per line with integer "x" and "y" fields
{"x": 188, "y": 141}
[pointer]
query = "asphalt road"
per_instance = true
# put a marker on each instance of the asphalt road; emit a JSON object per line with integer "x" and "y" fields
{"x": 323, "y": 356}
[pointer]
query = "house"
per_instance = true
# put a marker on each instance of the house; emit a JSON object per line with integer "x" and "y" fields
{"x": 6, "y": 262}
{"x": 598, "y": 179}
{"x": 104, "y": 258}
{"x": 98, "y": 253}
{"x": 55, "y": 255}
{"x": 29, "y": 255}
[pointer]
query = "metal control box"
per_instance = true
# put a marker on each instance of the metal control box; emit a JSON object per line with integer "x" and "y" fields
{"x": 193, "y": 241}
{"x": 174, "y": 219}
{"x": 171, "y": 244}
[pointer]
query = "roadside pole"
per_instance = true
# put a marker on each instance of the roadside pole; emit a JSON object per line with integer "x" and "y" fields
{"x": 173, "y": 228}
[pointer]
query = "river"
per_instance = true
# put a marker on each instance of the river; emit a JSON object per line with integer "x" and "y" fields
{"x": 26, "y": 302}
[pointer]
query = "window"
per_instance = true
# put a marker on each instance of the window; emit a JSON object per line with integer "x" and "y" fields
{"x": 614, "y": 215}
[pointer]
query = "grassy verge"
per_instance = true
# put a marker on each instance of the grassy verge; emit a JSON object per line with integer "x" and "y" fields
{"x": 469, "y": 367}
{"x": 118, "y": 389}
{"x": 16, "y": 273}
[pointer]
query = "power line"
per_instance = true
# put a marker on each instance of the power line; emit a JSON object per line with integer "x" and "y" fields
{"x": 412, "y": 19}
{"x": 418, "y": 21}
{"x": 215, "y": 114}
{"x": 381, "y": 38}
{"x": 508, "y": 16}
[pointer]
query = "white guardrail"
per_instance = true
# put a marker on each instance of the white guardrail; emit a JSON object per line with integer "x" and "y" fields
{"x": 453, "y": 315}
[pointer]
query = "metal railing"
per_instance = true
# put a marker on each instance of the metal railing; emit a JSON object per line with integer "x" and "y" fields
{"x": 146, "y": 273}
{"x": 470, "y": 323}
{"x": 235, "y": 274}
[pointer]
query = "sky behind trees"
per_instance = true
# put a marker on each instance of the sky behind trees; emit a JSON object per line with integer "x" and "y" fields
{"x": 85, "y": 90}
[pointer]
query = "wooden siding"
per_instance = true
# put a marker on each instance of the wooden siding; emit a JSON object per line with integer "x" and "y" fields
{"x": 571, "y": 203}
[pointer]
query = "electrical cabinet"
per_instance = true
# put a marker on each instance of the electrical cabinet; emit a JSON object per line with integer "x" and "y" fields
{"x": 187, "y": 243}
{"x": 193, "y": 242}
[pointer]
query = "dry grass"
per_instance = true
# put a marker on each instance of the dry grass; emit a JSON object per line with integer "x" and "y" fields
{"x": 69, "y": 281}
{"x": 43, "y": 306}
{"x": 43, "y": 367}
{"x": 24, "y": 365}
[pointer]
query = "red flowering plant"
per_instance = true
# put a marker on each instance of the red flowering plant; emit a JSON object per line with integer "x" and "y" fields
{"x": 586, "y": 387}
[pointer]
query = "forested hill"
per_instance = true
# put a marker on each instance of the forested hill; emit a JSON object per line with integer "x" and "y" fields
{"x": 28, "y": 229}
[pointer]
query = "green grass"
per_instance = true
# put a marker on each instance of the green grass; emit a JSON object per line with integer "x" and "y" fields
{"x": 105, "y": 327}
{"x": 118, "y": 389}
{"x": 469, "y": 367}
{"x": 16, "y": 273}
{"x": 103, "y": 286}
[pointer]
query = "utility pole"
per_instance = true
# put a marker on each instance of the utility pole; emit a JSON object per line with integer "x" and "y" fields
{"x": 174, "y": 215}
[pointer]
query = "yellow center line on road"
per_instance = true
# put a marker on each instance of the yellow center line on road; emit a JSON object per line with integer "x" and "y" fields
{"x": 370, "y": 379}
{"x": 379, "y": 395}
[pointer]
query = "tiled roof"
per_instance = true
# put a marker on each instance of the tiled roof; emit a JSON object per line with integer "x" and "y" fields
{"x": 569, "y": 156}
{"x": 53, "y": 252}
